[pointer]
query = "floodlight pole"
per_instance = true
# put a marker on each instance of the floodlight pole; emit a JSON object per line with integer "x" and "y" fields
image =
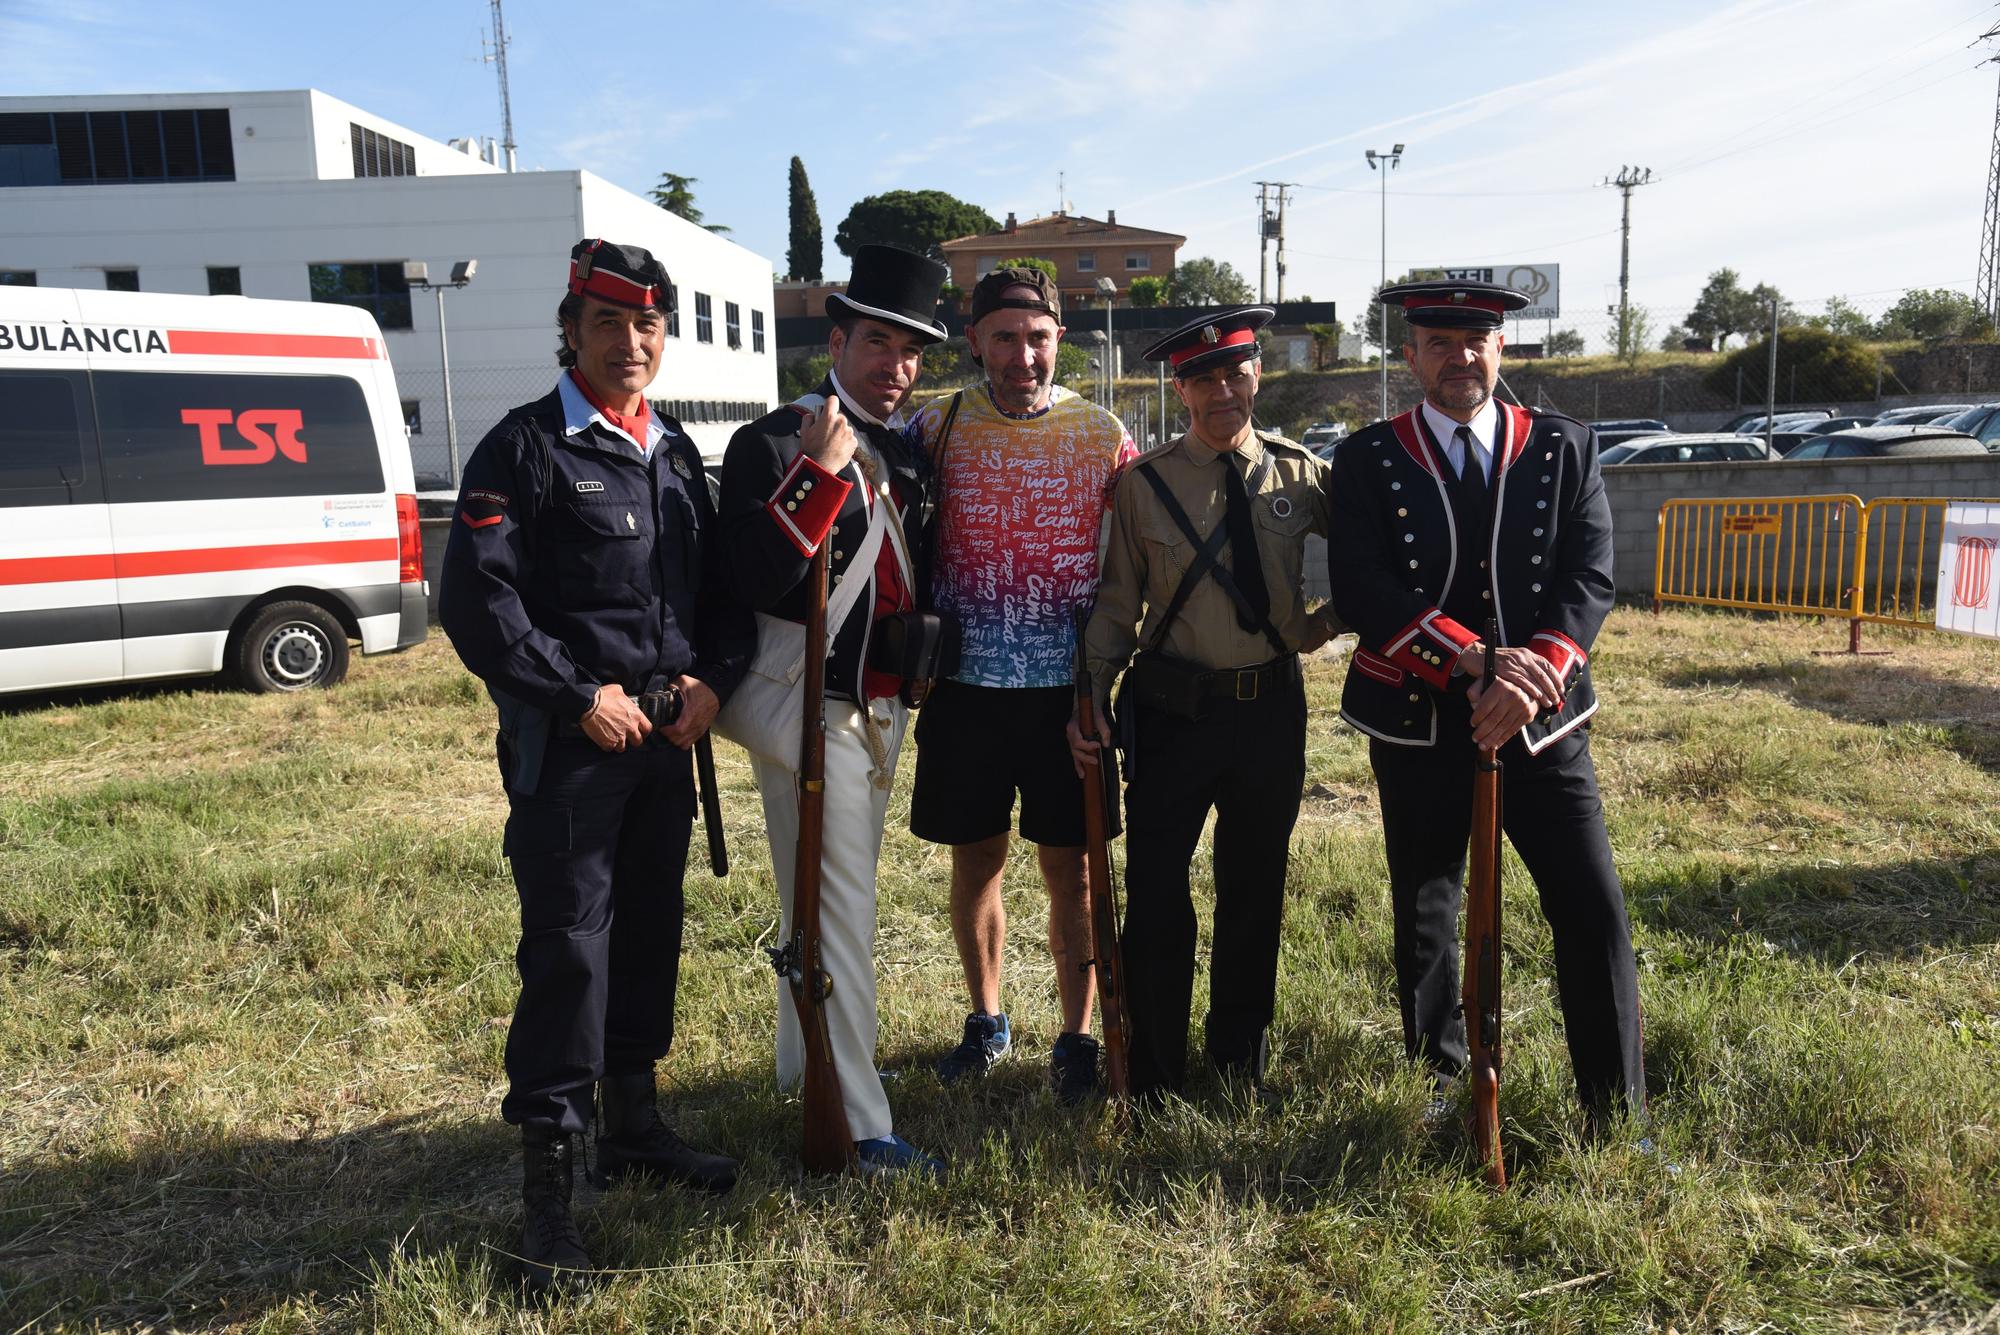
{"x": 1394, "y": 158}
{"x": 417, "y": 274}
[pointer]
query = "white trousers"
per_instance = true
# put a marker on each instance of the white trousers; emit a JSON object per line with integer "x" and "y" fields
{"x": 851, "y": 843}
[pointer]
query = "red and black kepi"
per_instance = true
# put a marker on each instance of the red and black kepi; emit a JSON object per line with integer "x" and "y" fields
{"x": 1449, "y": 303}
{"x": 1218, "y": 338}
{"x": 621, "y": 275}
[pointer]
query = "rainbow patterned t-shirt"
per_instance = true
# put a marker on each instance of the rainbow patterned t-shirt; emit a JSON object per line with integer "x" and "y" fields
{"x": 1023, "y": 501}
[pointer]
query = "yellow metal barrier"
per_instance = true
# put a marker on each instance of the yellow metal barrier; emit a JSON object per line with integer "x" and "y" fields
{"x": 1896, "y": 569}
{"x": 1759, "y": 554}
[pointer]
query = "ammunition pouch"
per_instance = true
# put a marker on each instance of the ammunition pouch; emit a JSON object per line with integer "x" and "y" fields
{"x": 915, "y": 646}
{"x": 1155, "y": 681}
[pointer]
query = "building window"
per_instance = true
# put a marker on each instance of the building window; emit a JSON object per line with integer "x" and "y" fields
{"x": 1137, "y": 259}
{"x": 732, "y": 323}
{"x": 121, "y": 280}
{"x": 984, "y": 265}
{"x": 413, "y": 416}
{"x": 17, "y": 277}
{"x": 704, "y": 318}
{"x": 378, "y": 154}
{"x": 673, "y": 312}
{"x": 757, "y": 332}
{"x": 101, "y": 147}
{"x": 376, "y": 286}
{"x": 1086, "y": 261}
{"x": 225, "y": 281}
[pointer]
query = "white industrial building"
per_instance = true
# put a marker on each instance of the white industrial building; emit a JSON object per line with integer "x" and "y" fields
{"x": 299, "y": 195}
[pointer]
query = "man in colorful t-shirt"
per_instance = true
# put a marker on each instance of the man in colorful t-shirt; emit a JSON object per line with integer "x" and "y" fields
{"x": 1024, "y": 475}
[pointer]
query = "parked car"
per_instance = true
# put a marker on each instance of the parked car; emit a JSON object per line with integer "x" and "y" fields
{"x": 1981, "y": 423}
{"x": 1718, "y": 447}
{"x": 1606, "y": 439}
{"x": 1321, "y": 437}
{"x": 1784, "y": 442}
{"x": 1797, "y": 421}
{"x": 1887, "y": 442}
{"x": 1650, "y": 424}
{"x": 1837, "y": 424}
{"x": 1925, "y": 414}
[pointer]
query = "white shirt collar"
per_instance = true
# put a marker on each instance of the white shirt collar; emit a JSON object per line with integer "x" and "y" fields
{"x": 579, "y": 416}
{"x": 1483, "y": 426}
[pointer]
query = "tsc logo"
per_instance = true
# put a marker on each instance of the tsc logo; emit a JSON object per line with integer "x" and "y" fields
{"x": 266, "y": 433}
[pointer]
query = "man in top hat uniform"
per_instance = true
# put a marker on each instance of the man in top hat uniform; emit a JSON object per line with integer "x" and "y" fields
{"x": 1202, "y": 574}
{"x": 838, "y": 468}
{"x": 1457, "y": 511}
{"x": 578, "y": 584}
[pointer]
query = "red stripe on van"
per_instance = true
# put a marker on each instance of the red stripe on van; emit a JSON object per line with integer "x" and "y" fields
{"x": 194, "y": 561}
{"x": 223, "y": 343}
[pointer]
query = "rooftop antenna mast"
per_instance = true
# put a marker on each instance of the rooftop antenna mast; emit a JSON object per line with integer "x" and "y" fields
{"x": 1061, "y": 187}
{"x": 497, "y": 57}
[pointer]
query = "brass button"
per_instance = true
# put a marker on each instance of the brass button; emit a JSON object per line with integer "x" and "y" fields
{"x": 791, "y": 505}
{"x": 1486, "y": 594}
{"x": 1402, "y": 512}
{"x": 1415, "y": 698}
{"x": 808, "y": 483}
{"x": 840, "y": 556}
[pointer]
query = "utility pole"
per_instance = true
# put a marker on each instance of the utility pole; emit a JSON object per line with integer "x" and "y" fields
{"x": 1263, "y": 238}
{"x": 1384, "y": 163}
{"x": 498, "y": 59}
{"x": 1282, "y": 188}
{"x": 1986, "y": 288}
{"x": 1627, "y": 180}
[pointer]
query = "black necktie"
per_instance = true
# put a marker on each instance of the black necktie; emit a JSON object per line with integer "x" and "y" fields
{"x": 1243, "y": 560}
{"x": 1471, "y": 477}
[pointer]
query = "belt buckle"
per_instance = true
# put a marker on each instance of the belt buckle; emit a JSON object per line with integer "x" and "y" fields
{"x": 1254, "y": 676}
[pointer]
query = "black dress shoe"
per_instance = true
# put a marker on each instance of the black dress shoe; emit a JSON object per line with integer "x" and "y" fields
{"x": 632, "y": 1140}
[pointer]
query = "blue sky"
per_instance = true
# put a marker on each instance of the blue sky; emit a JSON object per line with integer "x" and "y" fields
{"x": 1827, "y": 146}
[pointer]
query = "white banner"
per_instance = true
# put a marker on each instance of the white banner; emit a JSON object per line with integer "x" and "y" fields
{"x": 1968, "y": 587}
{"x": 1540, "y": 283}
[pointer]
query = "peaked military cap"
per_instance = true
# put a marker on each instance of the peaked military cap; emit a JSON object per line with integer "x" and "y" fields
{"x": 895, "y": 286}
{"x": 1450, "y": 303}
{"x": 1226, "y": 336}
{"x": 621, "y": 275}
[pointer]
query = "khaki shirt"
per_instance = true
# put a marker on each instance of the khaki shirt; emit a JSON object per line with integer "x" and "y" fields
{"x": 1147, "y": 555}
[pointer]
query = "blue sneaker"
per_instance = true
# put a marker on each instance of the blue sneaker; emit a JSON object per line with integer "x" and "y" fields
{"x": 892, "y": 1156}
{"x": 987, "y": 1039}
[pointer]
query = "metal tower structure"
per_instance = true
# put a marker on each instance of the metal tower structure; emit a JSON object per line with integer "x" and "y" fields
{"x": 498, "y": 58}
{"x": 1987, "y": 291}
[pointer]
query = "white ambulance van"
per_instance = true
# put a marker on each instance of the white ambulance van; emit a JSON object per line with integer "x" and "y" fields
{"x": 192, "y": 485}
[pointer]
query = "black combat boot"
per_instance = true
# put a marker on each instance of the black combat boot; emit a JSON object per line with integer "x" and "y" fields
{"x": 551, "y": 1249}
{"x": 631, "y": 1138}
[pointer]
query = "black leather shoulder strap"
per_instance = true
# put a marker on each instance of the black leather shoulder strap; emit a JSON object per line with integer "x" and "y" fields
{"x": 1204, "y": 562}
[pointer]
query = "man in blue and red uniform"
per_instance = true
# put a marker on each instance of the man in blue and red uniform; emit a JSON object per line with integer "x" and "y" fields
{"x": 578, "y": 584}
{"x": 1457, "y": 511}
{"x": 839, "y": 468}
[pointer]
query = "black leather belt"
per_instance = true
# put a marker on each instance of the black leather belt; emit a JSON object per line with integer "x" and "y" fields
{"x": 1250, "y": 683}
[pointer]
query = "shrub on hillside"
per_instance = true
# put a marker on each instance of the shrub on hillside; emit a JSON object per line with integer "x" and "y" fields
{"x": 1822, "y": 364}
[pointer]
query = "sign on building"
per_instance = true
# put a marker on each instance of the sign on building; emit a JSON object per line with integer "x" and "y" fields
{"x": 1968, "y": 587}
{"x": 1540, "y": 282}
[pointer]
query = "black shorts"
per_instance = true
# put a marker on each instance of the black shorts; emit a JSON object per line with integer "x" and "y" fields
{"x": 979, "y": 745}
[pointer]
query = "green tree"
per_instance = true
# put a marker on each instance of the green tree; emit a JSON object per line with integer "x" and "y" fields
{"x": 803, "y": 376}
{"x": 1205, "y": 282}
{"x": 1934, "y": 314}
{"x": 1072, "y": 363}
{"x": 913, "y": 219}
{"x": 1031, "y": 262}
{"x": 805, "y": 256}
{"x": 1823, "y": 364}
{"x": 1629, "y": 332}
{"x": 1326, "y": 344}
{"x": 1370, "y": 328}
{"x": 1149, "y": 290}
{"x": 1725, "y": 307}
{"x": 675, "y": 194}
{"x": 1563, "y": 343}
{"x": 1844, "y": 317}
{"x": 1677, "y": 338}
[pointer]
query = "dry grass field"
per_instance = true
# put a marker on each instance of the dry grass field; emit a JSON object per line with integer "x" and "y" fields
{"x": 255, "y": 971}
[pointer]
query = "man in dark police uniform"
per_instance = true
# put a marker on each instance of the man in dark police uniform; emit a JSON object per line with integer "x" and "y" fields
{"x": 578, "y": 586}
{"x": 1459, "y": 510}
{"x": 1202, "y": 573}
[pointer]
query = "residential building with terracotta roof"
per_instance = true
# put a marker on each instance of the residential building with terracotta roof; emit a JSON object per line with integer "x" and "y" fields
{"x": 1082, "y": 249}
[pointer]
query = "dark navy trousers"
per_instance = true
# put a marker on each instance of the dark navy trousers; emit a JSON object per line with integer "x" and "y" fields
{"x": 598, "y": 852}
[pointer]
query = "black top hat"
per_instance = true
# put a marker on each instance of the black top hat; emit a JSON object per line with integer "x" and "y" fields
{"x": 1450, "y": 303}
{"x": 622, "y": 275}
{"x": 1228, "y": 335}
{"x": 895, "y": 286}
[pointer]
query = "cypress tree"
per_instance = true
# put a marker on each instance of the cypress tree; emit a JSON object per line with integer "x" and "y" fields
{"x": 806, "y": 256}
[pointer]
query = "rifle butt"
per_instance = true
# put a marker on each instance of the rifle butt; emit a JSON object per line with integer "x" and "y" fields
{"x": 1486, "y": 1121}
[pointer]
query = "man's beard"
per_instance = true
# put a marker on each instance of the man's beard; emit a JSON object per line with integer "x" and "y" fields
{"x": 1459, "y": 395}
{"x": 1019, "y": 399}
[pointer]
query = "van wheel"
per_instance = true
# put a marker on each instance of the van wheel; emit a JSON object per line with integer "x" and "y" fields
{"x": 291, "y": 647}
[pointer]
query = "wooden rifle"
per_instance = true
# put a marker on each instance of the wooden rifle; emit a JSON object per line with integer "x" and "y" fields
{"x": 1100, "y": 804}
{"x": 1481, "y": 997}
{"x": 829, "y": 1145}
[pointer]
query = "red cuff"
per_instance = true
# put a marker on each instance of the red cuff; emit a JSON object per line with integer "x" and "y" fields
{"x": 807, "y": 501}
{"x": 1429, "y": 646}
{"x": 1564, "y": 654}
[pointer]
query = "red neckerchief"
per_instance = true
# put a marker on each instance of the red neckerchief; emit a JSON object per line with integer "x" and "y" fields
{"x": 632, "y": 424}
{"x": 891, "y": 595}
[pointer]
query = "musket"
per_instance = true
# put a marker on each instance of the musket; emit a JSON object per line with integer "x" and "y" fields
{"x": 1481, "y": 997}
{"x": 1100, "y": 807}
{"x": 711, "y": 804}
{"x": 829, "y": 1145}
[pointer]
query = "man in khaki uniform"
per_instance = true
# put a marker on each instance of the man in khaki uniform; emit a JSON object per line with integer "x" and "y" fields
{"x": 1202, "y": 575}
